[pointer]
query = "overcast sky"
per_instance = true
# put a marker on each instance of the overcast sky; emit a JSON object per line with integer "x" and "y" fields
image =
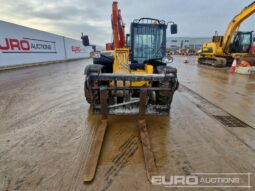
{"x": 195, "y": 18}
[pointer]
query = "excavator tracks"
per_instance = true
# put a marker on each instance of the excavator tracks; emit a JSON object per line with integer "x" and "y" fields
{"x": 216, "y": 62}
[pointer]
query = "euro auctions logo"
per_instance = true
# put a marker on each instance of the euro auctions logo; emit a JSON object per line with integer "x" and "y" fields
{"x": 76, "y": 49}
{"x": 205, "y": 180}
{"x": 175, "y": 181}
{"x": 26, "y": 45}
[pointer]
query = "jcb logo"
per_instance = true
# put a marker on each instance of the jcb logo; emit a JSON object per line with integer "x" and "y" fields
{"x": 15, "y": 44}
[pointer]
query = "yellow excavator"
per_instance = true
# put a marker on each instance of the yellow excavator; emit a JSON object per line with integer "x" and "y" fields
{"x": 221, "y": 51}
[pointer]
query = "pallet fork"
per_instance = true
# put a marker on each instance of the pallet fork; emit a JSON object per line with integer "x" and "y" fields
{"x": 97, "y": 142}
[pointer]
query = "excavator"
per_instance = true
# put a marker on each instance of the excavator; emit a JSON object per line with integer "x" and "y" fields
{"x": 223, "y": 49}
{"x": 133, "y": 80}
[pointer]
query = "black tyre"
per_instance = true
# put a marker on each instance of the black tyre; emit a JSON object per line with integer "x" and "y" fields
{"x": 87, "y": 93}
{"x": 166, "y": 97}
{"x": 93, "y": 68}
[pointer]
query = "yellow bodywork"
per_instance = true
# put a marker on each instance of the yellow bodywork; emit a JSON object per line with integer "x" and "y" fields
{"x": 148, "y": 70}
{"x": 213, "y": 49}
{"x": 121, "y": 65}
{"x": 121, "y": 61}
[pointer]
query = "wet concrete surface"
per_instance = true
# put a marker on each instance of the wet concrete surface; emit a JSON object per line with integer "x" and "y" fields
{"x": 233, "y": 92}
{"x": 46, "y": 129}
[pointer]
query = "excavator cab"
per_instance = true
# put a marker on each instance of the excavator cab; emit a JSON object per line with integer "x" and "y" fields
{"x": 242, "y": 42}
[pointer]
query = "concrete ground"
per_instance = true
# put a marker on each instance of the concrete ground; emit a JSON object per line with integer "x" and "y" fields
{"x": 46, "y": 129}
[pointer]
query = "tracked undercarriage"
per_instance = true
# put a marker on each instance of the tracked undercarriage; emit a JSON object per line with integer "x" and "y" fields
{"x": 216, "y": 62}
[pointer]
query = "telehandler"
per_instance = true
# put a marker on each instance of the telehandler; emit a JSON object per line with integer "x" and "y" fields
{"x": 130, "y": 81}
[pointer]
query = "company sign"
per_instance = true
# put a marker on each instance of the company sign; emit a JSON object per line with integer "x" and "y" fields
{"x": 205, "y": 180}
{"x": 78, "y": 49}
{"x": 26, "y": 45}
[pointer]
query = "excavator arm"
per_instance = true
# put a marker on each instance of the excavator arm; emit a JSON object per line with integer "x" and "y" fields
{"x": 118, "y": 29}
{"x": 235, "y": 23}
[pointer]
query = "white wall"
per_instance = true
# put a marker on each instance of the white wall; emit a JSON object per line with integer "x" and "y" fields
{"x": 22, "y": 45}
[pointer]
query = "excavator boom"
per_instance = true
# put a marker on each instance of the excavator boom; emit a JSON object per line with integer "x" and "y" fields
{"x": 118, "y": 29}
{"x": 235, "y": 23}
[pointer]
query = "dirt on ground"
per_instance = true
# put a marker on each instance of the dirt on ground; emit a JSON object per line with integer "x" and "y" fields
{"x": 46, "y": 128}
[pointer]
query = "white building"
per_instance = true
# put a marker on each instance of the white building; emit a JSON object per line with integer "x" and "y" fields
{"x": 194, "y": 43}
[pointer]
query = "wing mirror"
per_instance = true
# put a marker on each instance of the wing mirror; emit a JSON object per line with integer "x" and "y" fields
{"x": 85, "y": 40}
{"x": 173, "y": 28}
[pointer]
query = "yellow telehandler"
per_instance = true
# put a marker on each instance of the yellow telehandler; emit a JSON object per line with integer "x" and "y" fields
{"x": 131, "y": 79}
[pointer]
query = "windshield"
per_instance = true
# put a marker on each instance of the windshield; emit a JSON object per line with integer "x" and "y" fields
{"x": 241, "y": 43}
{"x": 245, "y": 39}
{"x": 148, "y": 42}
